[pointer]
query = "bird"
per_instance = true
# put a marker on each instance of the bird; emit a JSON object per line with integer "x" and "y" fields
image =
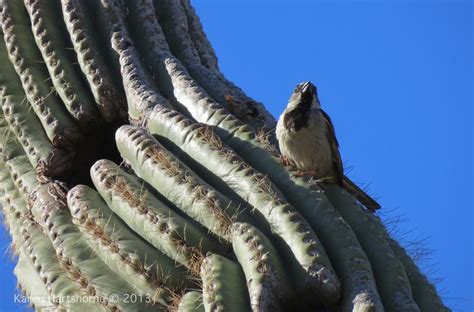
{"x": 307, "y": 141}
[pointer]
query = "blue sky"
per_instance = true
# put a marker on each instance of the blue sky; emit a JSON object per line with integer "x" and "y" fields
{"x": 396, "y": 78}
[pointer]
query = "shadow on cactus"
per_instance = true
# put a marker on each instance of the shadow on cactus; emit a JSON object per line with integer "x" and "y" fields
{"x": 190, "y": 206}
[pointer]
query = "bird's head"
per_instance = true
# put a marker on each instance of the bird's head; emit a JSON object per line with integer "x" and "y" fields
{"x": 304, "y": 95}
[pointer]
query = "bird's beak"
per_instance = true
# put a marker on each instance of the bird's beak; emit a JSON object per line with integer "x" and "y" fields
{"x": 308, "y": 90}
{"x": 305, "y": 87}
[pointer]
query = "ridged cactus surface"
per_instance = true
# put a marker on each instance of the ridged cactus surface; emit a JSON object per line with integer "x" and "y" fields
{"x": 133, "y": 172}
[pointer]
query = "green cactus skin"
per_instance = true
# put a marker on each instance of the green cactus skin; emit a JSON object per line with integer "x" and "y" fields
{"x": 390, "y": 275}
{"x": 48, "y": 160}
{"x": 31, "y": 286}
{"x": 84, "y": 25}
{"x": 180, "y": 239}
{"x": 180, "y": 185}
{"x": 140, "y": 89}
{"x": 307, "y": 259}
{"x": 164, "y": 66}
{"x": 191, "y": 302}
{"x": 42, "y": 256}
{"x": 23, "y": 175}
{"x": 223, "y": 285}
{"x": 75, "y": 255}
{"x": 12, "y": 207}
{"x": 5, "y": 180}
{"x": 9, "y": 147}
{"x": 424, "y": 293}
{"x": 34, "y": 76}
{"x": 267, "y": 280}
{"x": 149, "y": 271}
{"x": 16, "y": 163}
{"x": 38, "y": 270}
{"x": 60, "y": 59}
{"x": 25, "y": 125}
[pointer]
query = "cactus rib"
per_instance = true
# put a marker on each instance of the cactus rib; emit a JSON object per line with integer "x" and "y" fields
{"x": 151, "y": 272}
{"x": 181, "y": 186}
{"x": 99, "y": 72}
{"x": 26, "y": 58}
{"x": 180, "y": 239}
{"x": 75, "y": 255}
{"x": 53, "y": 42}
{"x": 266, "y": 278}
{"x": 223, "y": 285}
{"x": 174, "y": 25}
{"x": 201, "y": 43}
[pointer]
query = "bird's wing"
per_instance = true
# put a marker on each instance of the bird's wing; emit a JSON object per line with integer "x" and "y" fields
{"x": 334, "y": 144}
{"x": 370, "y": 203}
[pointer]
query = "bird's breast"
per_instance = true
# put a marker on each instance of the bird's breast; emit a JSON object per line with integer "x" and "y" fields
{"x": 308, "y": 148}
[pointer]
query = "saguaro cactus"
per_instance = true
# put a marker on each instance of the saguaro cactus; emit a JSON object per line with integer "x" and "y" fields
{"x": 188, "y": 206}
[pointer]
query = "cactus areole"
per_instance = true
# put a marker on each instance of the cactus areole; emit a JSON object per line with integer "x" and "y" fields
{"x": 136, "y": 177}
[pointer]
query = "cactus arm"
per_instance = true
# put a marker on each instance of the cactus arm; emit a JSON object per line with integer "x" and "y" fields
{"x": 108, "y": 94}
{"x": 191, "y": 302}
{"x": 151, "y": 272}
{"x": 223, "y": 284}
{"x": 34, "y": 76}
{"x": 180, "y": 239}
{"x": 391, "y": 278}
{"x": 267, "y": 281}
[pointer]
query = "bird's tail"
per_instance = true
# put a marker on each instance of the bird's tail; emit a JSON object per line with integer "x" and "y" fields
{"x": 360, "y": 195}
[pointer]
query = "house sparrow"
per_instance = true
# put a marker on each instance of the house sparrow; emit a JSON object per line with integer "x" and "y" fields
{"x": 307, "y": 141}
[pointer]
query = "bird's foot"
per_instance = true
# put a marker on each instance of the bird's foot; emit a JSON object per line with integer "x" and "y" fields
{"x": 285, "y": 161}
{"x": 310, "y": 173}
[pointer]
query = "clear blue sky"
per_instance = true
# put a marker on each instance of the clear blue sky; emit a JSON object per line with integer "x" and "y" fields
{"x": 396, "y": 78}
